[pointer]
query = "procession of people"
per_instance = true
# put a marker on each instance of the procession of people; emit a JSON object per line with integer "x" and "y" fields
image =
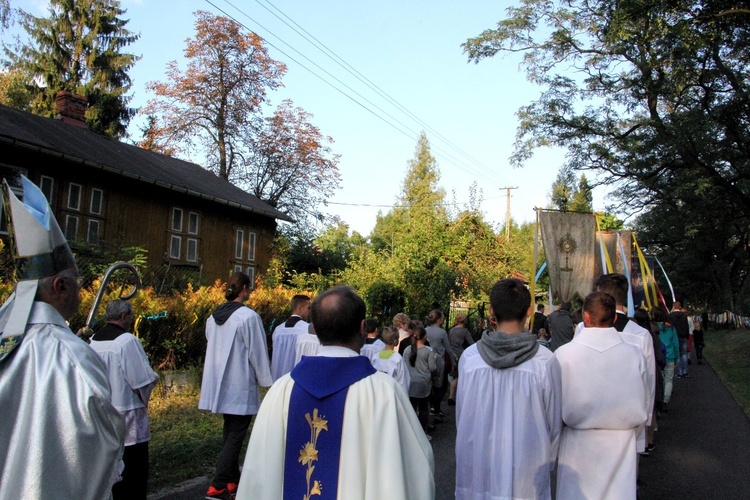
{"x": 349, "y": 412}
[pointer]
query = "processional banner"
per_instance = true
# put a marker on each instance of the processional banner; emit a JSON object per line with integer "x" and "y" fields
{"x": 615, "y": 251}
{"x": 569, "y": 244}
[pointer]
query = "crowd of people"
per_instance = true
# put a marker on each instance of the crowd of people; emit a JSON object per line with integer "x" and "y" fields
{"x": 351, "y": 403}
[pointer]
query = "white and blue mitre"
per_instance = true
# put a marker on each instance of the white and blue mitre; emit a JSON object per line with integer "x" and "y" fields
{"x": 39, "y": 250}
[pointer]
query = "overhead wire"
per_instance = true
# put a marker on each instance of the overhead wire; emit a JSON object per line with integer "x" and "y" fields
{"x": 362, "y": 78}
{"x": 472, "y": 170}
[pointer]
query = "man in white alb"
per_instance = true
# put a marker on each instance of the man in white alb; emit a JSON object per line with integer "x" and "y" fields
{"x": 604, "y": 405}
{"x": 507, "y": 406}
{"x": 284, "y": 338}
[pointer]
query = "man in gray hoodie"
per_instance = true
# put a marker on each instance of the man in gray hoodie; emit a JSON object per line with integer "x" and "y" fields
{"x": 508, "y": 413}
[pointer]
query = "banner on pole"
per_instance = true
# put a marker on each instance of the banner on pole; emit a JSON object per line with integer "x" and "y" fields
{"x": 569, "y": 245}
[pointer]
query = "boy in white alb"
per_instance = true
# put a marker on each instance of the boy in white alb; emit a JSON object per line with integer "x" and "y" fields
{"x": 389, "y": 361}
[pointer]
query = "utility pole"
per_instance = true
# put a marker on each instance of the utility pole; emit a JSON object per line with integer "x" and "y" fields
{"x": 507, "y": 212}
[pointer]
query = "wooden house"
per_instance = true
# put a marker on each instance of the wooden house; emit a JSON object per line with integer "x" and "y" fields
{"x": 104, "y": 191}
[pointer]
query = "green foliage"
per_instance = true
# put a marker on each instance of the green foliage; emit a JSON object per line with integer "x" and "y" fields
{"x": 609, "y": 222}
{"x": 78, "y": 48}
{"x": 655, "y": 98}
{"x": 566, "y": 194}
{"x": 384, "y": 300}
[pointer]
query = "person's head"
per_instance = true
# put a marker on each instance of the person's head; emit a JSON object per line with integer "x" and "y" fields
{"x": 677, "y": 305}
{"x": 660, "y": 314}
{"x": 616, "y": 285}
{"x": 338, "y": 315}
{"x": 390, "y": 336}
{"x": 641, "y": 317}
{"x": 62, "y": 291}
{"x": 401, "y": 320}
{"x": 417, "y": 337}
{"x": 599, "y": 310}
{"x": 565, "y": 306}
{"x": 510, "y": 300}
{"x": 371, "y": 327}
{"x": 576, "y": 316}
{"x": 301, "y": 306}
{"x": 543, "y": 333}
{"x": 461, "y": 318}
{"x": 238, "y": 287}
{"x": 413, "y": 324}
{"x": 120, "y": 312}
{"x": 435, "y": 317}
{"x": 540, "y": 308}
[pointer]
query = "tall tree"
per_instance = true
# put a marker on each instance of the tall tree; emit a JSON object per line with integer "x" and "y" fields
{"x": 567, "y": 194}
{"x": 217, "y": 100}
{"x": 291, "y": 166}
{"x": 78, "y": 48}
{"x": 658, "y": 99}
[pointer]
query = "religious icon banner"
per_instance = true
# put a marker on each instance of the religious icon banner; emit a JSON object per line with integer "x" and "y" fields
{"x": 614, "y": 251}
{"x": 569, "y": 245}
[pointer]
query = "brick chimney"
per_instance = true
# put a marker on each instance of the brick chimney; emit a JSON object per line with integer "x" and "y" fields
{"x": 71, "y": 108}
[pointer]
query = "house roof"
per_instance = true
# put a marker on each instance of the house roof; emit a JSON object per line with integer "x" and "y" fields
{"x": 24, "y": 130}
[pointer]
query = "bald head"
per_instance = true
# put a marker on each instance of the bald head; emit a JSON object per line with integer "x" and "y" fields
{"x": 338, "y": 314}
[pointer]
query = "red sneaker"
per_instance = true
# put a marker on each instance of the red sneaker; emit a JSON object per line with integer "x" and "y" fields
{"x": 232, "y": 488}
{"x": 213, "y": 493}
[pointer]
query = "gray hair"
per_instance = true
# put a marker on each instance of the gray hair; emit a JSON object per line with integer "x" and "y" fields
{"x": 117, "y": 309}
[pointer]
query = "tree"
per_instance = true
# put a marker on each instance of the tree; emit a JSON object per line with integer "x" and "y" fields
{"x": 78, "y": 48}
{"x": 14, "y": 91}
{"x": 652, "y": 94}
{"x": 566, "y": 194}
{"x": 217, "y": 100}
{"x": 292, "y": 168}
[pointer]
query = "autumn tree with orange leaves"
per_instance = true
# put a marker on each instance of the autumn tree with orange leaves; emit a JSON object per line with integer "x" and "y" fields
{"x": 217, "y": 100}
{"x": 292, "y": 166}
{"x": 217, "y": 103}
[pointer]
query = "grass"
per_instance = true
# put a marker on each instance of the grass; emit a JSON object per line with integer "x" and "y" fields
{"x": 185, "y": 441}
{"x": 727, "y": 351}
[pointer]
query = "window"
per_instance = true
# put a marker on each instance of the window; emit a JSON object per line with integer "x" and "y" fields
{"x": 71, "y": 227}
{"x": 251, "y": 273}
{"x": 237, "y": 269}
{"x": 46, "y": 184}
{"x": 238, "y": 244}
{"x": 193, "y": 223}
{"x": 177, "y": 219}
{"x": 251, "y": 246}
{"x": 174, "y": 247}
{"x": 96, "y": 201}
{"x": 92, "y": 236}
{"x": 74, "y": 196}
{"x": 192, "y": 250}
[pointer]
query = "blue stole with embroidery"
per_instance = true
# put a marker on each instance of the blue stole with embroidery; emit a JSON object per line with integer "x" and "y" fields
{"x": 315, "y": 424}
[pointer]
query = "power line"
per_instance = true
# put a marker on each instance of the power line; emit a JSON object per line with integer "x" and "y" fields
{"x": 406, "y": 133}
{"x": 362, "y": 78}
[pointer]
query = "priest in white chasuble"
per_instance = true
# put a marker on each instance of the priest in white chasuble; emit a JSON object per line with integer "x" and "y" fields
{"x": 605, "y": 401}
{"x": 507, "y": 406}
{"x": 334, "y": 427}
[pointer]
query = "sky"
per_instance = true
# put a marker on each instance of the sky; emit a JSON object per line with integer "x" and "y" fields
{"x": 410, "y": 51}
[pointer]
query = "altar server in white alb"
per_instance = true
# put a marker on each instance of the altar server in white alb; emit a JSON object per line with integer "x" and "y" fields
{"x": 236, "y": 364}
{"x": 507, "y": 406}
{"x": 390, "y": 362}
{"x": 132, "y": 381}
{"x": 604, "y": 405}
{"x": 336, "y": 427}
{"x": 616, "y": 285}
{"x": 284, "y": 338}
{"x": 60, "y": 436}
